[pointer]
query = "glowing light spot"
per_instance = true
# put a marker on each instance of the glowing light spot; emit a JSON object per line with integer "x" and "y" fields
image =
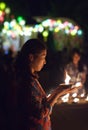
{"x": 59, "y": 21}
{"x": 0, "y": 13}
{"x": 76, "y": 100}
{"x": 74, "y": 94}
{"x": 73, "y": 32}
{"x": 56, "y": 29}
{"x": 79, "y": 32}
{"x": 2, "y": 5}
{"x": 6, "y": 25}
{"x": 7, "y": 10}
{"x": 45, "y": 33}
{"x": 22, "y": 22}
{"x": 19, "y": 18}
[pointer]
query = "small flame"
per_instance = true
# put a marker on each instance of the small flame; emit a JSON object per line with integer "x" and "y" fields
{"x": 78, "y": 84}
{"x": 67, "y": 79}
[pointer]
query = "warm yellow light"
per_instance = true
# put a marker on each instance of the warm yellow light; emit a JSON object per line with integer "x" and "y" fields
{"x": 2, "y": 5}
{"x": 45, "y": 33}
{"x": 7, "y": 10}
{"x": 67, "y": 79}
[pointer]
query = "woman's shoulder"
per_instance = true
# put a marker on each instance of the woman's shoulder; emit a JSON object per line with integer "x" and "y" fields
{"x": 85, "y": 68}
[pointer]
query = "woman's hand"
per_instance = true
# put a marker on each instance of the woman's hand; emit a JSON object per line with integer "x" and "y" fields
{"x": 60, "y": 91}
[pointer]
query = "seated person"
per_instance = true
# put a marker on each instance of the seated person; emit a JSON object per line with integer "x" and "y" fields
{"x": 77, "y": 70}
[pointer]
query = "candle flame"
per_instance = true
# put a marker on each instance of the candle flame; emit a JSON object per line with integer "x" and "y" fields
{"x": 78, "y": 84}
{"x": 67, "y": 79}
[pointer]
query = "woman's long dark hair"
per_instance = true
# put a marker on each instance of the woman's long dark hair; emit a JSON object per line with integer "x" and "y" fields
{"x": 80, "y": 64}
{"x": 22, "y": 64}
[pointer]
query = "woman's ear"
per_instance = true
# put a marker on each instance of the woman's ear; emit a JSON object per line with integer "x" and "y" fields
{"x": 31, "y": 58}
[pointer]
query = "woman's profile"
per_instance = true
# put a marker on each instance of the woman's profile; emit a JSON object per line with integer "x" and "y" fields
{"x": 34, "y": 107}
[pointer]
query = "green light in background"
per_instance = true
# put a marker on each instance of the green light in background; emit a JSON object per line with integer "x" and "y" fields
{"x": 45, "y": 33}
{"x": 19, "y": 18}
{"x": 2, "y": 5}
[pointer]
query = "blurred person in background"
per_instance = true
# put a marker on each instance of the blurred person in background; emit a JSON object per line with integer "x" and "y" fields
{"x": 77, "y": 70}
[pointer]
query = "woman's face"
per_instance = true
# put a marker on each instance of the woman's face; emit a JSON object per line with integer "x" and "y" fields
{"x": 37, "y": 61}
{"x": 76, "y": 58}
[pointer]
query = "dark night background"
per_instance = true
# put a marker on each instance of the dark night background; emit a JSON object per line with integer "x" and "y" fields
{"x": 73, "y": 9}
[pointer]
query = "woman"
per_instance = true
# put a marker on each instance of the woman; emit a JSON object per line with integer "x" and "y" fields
{"x": 76, "y": 69}
{"x": 34, "y": 107}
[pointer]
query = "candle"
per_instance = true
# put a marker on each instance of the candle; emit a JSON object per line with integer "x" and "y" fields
{"x": 67, "y": 80}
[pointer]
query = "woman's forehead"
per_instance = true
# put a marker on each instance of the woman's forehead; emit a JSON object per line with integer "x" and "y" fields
{"x": 76, "y": 54}
{"x": 43, "y": 52}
